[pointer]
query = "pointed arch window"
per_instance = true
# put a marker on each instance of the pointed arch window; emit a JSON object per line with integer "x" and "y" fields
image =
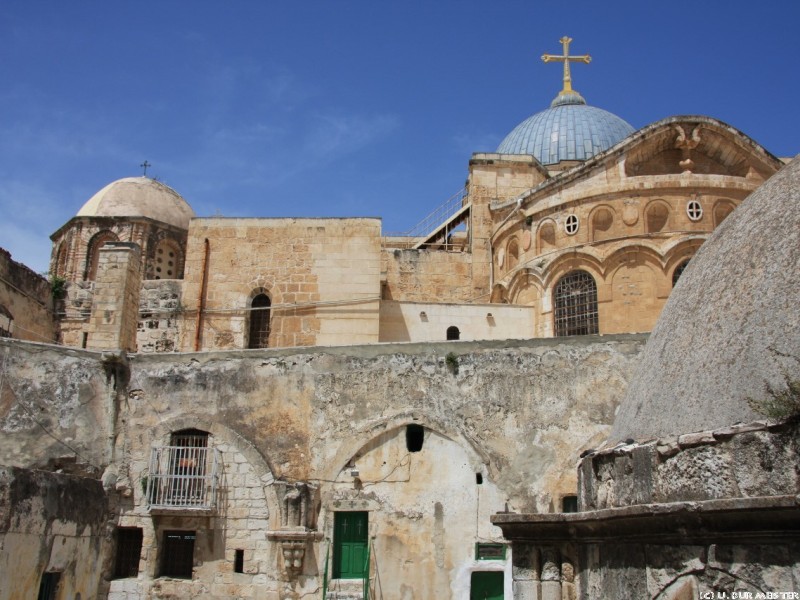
{"x": 259, "y": 322}
{"x": 575, "y": 301}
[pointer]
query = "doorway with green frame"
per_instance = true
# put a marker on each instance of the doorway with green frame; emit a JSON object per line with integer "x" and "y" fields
{"x": 486, "y": 585}
{"x": 350, "y": 544}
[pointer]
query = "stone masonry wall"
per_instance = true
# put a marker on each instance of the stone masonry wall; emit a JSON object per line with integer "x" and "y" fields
{"x": 322, "y": 277}
{"x": 26, "y": 307}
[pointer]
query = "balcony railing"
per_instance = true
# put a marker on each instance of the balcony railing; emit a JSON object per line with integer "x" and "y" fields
{"x": 183, "y": 478}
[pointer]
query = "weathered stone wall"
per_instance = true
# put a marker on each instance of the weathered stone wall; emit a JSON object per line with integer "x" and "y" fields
{"x": 517, "y": 413}
{"x": 161, "y": 316}
{"x": 51, "y": 522}
{"x": 26, "y": 306}
{"x": 54, "y": 408}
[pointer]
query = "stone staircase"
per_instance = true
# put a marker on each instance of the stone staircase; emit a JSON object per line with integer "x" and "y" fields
{"x": 345, "y": 589}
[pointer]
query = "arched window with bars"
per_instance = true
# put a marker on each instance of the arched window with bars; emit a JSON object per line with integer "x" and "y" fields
{"x": 259, "y": 322}
{"x": 575, "y": 302}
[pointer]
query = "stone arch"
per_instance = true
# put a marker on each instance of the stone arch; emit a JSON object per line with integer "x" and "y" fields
{"x": 98, "y": 240}
{"x": 546, "y": 236}
{"x": 161, "y": 433}
{"x": 656, "y": 216}
{"x": 167, "y": 261}
{"x": 499, "y": 294}
{"x": 525, "y": 288}
{"x": 722, "y": 208}
{"x": 571, "y": 261}
{"x": 361, "y": 439}
{"x": 60, "y": 262}
{"x": 453, "y": 333}
{"x": 601, "y": 223}
{"x": 258, "y": 321}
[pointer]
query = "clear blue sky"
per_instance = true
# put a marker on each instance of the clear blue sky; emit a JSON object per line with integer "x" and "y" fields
{"x": 347, "y": 108}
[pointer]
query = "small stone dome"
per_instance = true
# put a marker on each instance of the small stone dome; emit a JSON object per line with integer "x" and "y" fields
{"x": 731, "y": 326}
{"x": 139, "y": 197}
{"x": 568, "y": 130}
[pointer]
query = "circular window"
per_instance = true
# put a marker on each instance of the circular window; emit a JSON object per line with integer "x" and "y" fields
{"x": 695, "y": 210}
{"x": 571, "y": 225}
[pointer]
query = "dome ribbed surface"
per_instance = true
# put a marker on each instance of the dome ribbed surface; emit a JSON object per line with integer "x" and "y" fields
{"x": 569, "y": 130}
{"x": 139, "y": 197}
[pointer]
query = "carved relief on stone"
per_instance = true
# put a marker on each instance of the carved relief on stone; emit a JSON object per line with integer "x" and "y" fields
{"x": 686, "y": 144}
{"x": 630, "y": 213}
{"x": 298, "y": 504}
{"x": 293, "y": 554}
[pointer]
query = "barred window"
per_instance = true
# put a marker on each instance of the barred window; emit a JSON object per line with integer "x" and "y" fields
{"x": 177, "y": 554}
{"x": 575, "y": 301}
{"x": 129, "y": 548}
{"x": 259, "y": 322}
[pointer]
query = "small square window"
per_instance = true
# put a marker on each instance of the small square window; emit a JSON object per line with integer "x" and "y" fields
{"x": 569, "y": 504}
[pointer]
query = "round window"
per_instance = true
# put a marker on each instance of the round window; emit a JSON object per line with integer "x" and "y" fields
{"x": 571, "y": 224}
{"x": 695, "y": 210}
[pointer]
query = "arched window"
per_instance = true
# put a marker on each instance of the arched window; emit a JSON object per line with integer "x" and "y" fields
{"x": 453, "y": 333}
{"x": 575, "y": 301}
{"x": 93, "y": 252}
{"x": 259, "y": 322}
{"x": 676, "y": 274}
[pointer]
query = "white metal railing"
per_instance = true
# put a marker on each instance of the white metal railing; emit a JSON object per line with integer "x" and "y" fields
{"x": 183, "y": 477}
{"x": 439, "y": 215}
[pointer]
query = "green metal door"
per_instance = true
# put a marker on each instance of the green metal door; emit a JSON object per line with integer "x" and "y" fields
{"x": 350, "y": 545}
{"x": 486, "y": 585}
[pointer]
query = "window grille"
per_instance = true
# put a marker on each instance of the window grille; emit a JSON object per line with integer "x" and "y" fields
{"x": 129, "y": 549}
{"x": 571, "y": 224}
{"x": 694, "y": 210}
{"x": 183, "y": 475}
{"x": 453, "y": 333}
{"x": 259, "y": 322}
{"x": 575, "y": 301}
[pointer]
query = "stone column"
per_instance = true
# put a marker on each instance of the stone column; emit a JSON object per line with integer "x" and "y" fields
{"x": 115, "y": 307}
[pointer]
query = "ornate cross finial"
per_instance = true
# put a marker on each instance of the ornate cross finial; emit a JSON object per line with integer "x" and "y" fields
{"x": 566, "y": 58}
{"x": 144, "y": 165}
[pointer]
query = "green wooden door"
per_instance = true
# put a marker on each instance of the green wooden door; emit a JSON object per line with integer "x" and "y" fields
{"x": 350, "y": 545}
{"x": 486, "y": 585}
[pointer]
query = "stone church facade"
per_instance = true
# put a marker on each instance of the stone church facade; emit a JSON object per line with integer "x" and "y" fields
{"x": 299, "y": 407}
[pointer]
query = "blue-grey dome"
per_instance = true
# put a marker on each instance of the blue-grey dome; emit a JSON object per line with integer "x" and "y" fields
{"x": 568, "y": 130}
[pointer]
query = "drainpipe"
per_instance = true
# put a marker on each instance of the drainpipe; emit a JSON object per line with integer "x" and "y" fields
{"x": 491, "y": 247}
{"x": 201, "y": 297}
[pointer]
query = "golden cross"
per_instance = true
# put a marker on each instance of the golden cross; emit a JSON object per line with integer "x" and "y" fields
{"x": 566, "y": 58}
